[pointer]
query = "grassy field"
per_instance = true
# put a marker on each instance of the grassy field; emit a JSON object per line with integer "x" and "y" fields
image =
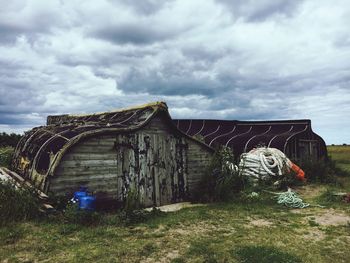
{"x": 241, "y": 231}
{"x": 341, "y": 154}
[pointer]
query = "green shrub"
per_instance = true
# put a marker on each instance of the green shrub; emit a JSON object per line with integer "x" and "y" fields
{"x": 6, "y": 156}
{"x": 17, "y": 204}
{"x": 221, "y": 181}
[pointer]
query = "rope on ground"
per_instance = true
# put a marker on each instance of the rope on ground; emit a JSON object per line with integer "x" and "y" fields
{"x": 291, "y": 199}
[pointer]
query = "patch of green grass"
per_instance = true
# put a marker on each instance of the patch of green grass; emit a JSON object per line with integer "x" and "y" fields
{"x": 264, "y": 254}
{"x": 68, "y": 229}
{"x": 10, "y": 234}
{"x": 203, "y": 248}
{"x": 328, "y": 197}
{"x": 212, "y": 233}
{"x": 216, "y": 232}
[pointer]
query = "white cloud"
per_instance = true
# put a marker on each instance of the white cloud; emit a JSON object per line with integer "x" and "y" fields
{"x": 226, "y": 59}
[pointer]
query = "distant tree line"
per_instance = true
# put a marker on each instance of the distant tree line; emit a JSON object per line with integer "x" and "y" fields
{"x": 9, "y": 139}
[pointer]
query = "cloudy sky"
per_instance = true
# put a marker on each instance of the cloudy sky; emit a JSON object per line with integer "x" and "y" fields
{"x": 227, "y": 59}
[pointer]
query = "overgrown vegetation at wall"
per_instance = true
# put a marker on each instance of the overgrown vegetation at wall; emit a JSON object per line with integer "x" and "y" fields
{"x": 17, "y": 204}
{"x": 222, "y": 181}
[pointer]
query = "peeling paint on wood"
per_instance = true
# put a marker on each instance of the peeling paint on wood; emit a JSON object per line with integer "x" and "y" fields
{"x": 154, "y": 161}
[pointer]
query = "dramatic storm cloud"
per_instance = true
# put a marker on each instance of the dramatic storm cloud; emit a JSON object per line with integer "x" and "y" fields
{"x": 238, "y": 59}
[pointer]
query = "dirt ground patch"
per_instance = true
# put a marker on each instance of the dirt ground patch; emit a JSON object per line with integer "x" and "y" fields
{"x": 325, "y": 217}
{"x": 260, "y": 223}
{"x": 315, "y": 235}
{"x": 199, "y": 229}
{"x": 330, "y": 217}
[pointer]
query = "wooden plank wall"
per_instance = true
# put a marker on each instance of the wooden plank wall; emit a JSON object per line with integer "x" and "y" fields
{"x": 198, "y": 160}
{"x": 162, "y": 167}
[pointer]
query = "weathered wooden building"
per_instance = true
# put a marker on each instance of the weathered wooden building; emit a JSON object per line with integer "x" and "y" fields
{"x": 293, "y": 137}
{"x": 144, "y": 150}
{"x": 111, "y": 153}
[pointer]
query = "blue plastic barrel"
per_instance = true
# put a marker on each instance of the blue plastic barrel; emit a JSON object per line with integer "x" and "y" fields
{"x": 87, "y": 203}
{"x": 78, "y": 194}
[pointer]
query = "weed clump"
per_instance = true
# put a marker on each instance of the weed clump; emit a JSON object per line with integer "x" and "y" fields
{"x": 132, "y": 202}
{"x": 17, "y": 203}
{"x": 133, "y": 213}
{"x": 222, "y": 181}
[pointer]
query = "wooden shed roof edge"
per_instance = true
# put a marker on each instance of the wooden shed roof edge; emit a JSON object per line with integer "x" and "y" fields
{"x": 156, "y": 104}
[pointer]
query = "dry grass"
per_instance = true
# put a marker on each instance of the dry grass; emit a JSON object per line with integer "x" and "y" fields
{"x": 211, "y": 233}
{"x": 241, "y": 231}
